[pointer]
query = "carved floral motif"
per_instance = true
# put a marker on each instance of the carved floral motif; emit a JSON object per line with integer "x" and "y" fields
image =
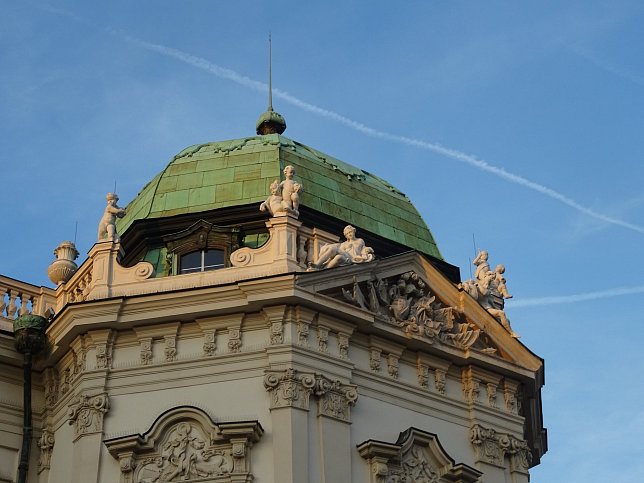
{"x": 51, "y": 386}
{"x": 491, "y": 394}
{"x": 65, "y": 385}
{"x": 103, "y": 356}
{"x": 170, "y": 348}
{"x": 335, "y": 398}
{"x": 234, "y": 339}
{"x": 209, "y": 342}
{"x": 510, "y": 398}
{"x": 439, "y": 380}
{"x": 492, "y": 447}
{"x": 323, "y": 339}
{"x": 343, "y": 345}
{"x": 86, "y": 414}
{"x": 423, "y": 375}
{"x": 303, "y": 334}
{"x": 291, "y": 389}
{"x": 392, "y": 366}
{"x": 374, "y": 359}
{"x": 277, "y": 336}
{"x": 288, "y": 389}
{"x": 146, "y": 350}
{"x": 471, "y": 390}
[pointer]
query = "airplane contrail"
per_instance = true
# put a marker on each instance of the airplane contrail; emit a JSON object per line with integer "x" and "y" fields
{"x": 231, "y": 75}
{"x": 564, "y": 299}
{"x": 606, "y": 65}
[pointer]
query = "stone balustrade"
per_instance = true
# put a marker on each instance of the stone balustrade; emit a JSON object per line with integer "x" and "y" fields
{"x": 77, "y": 288}
{"x": 19, "y": 298}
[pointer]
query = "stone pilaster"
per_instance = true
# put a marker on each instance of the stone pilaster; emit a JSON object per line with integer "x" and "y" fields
{"x": 289, "y": 404}
{"x": 86, "y": 415}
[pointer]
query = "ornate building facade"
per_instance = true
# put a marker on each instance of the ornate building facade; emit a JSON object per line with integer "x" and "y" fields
{"x": 264, "y": 312}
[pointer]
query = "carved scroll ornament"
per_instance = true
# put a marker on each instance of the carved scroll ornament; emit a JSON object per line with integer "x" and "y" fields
{"x": 289, "y": 388}
{"x": 86, "y": 414}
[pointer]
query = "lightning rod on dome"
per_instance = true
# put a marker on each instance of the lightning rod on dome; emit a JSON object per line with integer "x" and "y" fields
{"x": 270, "y": 122}
{"x": 270, "y": 86}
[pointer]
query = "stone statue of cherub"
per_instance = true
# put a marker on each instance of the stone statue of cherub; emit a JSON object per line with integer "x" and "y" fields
{"x": 288, "y": 201}
{"x": 107, "y": 226}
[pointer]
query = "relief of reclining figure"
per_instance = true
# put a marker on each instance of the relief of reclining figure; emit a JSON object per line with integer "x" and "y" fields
{"x": 353, "y": 250}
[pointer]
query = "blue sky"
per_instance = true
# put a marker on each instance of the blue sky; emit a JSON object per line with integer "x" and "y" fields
{"x": 550, "y": 92}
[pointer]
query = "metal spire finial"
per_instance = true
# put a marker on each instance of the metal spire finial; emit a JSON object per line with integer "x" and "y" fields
{"x": 270, "y": 122}
{"x": 270, "y": 87}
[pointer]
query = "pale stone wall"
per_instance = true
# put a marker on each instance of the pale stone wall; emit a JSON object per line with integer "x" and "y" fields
{"x": 293, "y": 358}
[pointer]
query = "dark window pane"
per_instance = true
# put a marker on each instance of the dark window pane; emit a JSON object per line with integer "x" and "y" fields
{"x": 213, "y": 259}
{"x": 191, "y": 262}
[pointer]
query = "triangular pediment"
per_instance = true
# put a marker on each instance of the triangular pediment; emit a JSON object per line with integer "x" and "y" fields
{"x": 407, "y": 296}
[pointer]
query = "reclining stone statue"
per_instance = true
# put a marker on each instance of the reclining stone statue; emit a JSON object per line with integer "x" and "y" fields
{"x": 353, "y": 250}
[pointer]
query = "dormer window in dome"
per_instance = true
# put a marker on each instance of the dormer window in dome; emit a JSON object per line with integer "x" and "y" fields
{"x": 200, "y": 248}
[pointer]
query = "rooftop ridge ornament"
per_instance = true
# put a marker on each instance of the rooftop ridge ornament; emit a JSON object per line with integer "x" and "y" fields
{"x": 270, "y": 122}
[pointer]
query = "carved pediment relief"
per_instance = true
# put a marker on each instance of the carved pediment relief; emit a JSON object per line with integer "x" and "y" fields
{"x": 417, "y": 456}
{"x": 185, "y": 445}
{"x": 406, "y": 302}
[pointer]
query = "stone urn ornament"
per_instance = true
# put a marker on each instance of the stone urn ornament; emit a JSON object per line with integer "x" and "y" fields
{"x": 62, "y": 269}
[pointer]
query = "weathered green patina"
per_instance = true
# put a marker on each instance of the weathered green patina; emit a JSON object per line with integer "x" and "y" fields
{"x": 238, "y": 172}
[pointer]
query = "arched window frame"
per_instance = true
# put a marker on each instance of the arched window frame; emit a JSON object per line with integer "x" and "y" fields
{"x": 202, "y": 235}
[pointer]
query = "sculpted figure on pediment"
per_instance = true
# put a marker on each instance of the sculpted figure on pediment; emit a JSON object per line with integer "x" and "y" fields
{"x": 353, "y": 250}
{"x": 489, "y": 289}
{"x": 405, "y": 301}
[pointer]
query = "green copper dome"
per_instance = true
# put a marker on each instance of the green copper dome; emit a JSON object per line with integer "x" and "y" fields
{"x": 238, "y": 172}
